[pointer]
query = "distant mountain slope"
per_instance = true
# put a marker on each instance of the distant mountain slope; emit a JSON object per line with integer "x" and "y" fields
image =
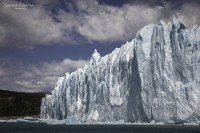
{"x": 15, "y": 104}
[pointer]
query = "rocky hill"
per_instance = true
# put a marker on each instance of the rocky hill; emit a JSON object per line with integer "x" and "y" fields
{"x": 19, "y": 104}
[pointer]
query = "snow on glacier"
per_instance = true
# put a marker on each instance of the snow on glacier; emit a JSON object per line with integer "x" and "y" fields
{"x": 155, "y": 77}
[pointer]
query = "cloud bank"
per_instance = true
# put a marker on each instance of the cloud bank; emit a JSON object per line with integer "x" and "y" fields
{"x": 86, "y": 21}
{"x": 18, "y": 76}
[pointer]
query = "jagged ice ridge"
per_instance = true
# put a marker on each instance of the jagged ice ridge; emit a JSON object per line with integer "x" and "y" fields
{"x": 155, "y": 77}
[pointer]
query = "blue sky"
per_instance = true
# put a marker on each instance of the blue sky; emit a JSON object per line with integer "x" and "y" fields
{"x": 56, "y": 52}
{"x": 48, "y": 38}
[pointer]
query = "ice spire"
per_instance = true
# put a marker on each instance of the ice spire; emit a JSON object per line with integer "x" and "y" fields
{"x": 175, "y": 22}
{"x": 95, "y": 58}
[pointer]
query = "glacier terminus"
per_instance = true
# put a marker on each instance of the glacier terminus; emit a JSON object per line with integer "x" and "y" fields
{"x": 154, "y": 77}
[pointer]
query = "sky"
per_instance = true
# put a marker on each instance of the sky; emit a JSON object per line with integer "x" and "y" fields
{"x": 41, "y": 40}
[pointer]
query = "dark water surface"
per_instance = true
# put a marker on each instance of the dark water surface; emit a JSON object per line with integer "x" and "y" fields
{"x": 43, "y": 128}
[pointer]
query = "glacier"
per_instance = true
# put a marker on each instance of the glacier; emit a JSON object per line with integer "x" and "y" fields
{"x": 155, "y": 77}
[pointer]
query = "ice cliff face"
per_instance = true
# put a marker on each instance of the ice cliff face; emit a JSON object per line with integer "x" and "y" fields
{"x": 156, "y": 77}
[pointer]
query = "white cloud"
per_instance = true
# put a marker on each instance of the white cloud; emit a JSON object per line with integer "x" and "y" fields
{"x": 2, "y": 73}
{"x": 26, "y": 28}
{"x": 108, "y": 24}
{"x": 189, "y": 14}
{"x": 20, "y": 77}
{"x": 88, "y": 22}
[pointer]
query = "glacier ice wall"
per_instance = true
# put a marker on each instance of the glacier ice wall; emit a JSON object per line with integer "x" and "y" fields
{"x": 156, "y": 77}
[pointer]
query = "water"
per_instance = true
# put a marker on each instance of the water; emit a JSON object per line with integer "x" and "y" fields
{"x": 44, "y": 128}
